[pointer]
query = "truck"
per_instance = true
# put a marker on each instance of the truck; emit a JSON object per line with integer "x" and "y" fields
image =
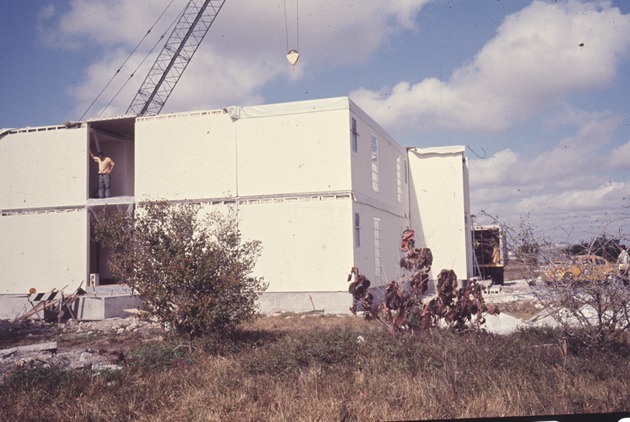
{"x": 490, "y": 252}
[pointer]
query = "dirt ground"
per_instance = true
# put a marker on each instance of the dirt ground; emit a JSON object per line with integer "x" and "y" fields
{"x": 95, "y": 345}
{"x": 103, "y": 345}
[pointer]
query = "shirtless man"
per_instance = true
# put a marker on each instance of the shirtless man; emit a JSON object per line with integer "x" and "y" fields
{"x": 105, "y": 167}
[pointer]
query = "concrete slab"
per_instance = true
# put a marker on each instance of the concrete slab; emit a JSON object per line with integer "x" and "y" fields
{"x": 301, "y": 302}
{"x": 11, "y": 306}
{"x": 102, "y": 307}
{"x": 86, "y": 308}
{"x": 109, "y": 301}
{"x": 105, "y": 302}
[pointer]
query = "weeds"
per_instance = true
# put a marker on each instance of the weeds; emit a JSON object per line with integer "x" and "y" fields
{"x": 158, "y": 355}
{"x": 48, "y": 378}
{"x": 303, "y": 350}
{"x": 325, "y": 368}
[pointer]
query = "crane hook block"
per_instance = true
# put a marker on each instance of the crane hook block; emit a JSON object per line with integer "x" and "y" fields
{"x": 293, "y": 57}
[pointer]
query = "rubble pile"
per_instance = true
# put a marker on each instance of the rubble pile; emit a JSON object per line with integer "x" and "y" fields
{"x": 94, "y": 345}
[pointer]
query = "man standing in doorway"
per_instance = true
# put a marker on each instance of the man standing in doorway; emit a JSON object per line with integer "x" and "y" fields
{"x": 105, "y": 167}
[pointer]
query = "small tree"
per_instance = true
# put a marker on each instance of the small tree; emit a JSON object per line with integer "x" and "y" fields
{"x": 191, "y": 269}
{"x": 584, "y": 297}
{"x": 403, "y": 308}
{"x": 604, "y": 246}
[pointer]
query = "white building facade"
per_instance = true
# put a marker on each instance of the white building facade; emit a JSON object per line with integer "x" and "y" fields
{"x": 319, "y": 182}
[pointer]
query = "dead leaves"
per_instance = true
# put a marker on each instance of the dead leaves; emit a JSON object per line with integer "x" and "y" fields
{"x": 403, "y": 309}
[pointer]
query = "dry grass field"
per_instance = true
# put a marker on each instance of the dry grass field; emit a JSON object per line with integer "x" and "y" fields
{"x": 325, "y": 368}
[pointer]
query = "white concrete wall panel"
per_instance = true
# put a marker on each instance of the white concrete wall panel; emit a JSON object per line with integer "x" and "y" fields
{"x": 392, "y": 227}
{"x": 438, "y": 215}
{"x": 185, "y": 156}
{"x": 307, "y": 244}
{"x": 388, "y": 153}
{"x": 294, "y": 153}
{"x": 43, "y": 251}
{"x": 46, "y": 168}
{"x": 468, "y": 220}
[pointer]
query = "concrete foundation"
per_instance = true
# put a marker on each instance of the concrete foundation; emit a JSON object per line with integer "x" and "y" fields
{"x": 116, "y": 301}
{"x": 97, "y": 308}
{"x": 12, "y": 306}
{"x": 86, "y": 308}
{"x": 301, "y": 302}
{"x": 111, "y": 301}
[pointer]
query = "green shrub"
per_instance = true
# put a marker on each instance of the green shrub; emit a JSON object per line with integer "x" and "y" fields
{"x": 191, "y": 269}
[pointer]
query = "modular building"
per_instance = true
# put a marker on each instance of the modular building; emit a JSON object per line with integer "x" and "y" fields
{"x": 319, "y": 183}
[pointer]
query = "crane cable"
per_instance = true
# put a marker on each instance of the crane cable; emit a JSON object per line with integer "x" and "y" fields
{"x": 142, "y": 62}
{"x": 123, "y": 64}
{"x": 133, "y": 73}
{"x": 293, "y": 55}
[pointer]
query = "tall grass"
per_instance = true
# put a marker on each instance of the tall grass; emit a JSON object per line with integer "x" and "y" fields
{"x": 330, "y": 368}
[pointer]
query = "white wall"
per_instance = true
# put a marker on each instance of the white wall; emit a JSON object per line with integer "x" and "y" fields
{"x": 468, "y": 220}
{"x": 275, "y": 154}
{"x": 289, "y": 151}
{"x": 307, "y": 244}
{"x": 392, "y": 227}
{"x": 439, "y": 213}
{"x": 383, "y": 204}
{"x": 268, "y": 150}
{"x": 388, "y": 153}
{"x": 46, "y": 168}
{"x": 185, "y": 156}
{"x": 43, "y": 251}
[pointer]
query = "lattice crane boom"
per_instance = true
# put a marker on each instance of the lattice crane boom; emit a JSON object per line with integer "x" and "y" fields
{"x": 181, "y": 45}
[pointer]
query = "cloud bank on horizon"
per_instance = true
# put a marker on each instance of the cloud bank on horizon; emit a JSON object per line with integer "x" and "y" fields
{"x": 542, "y": 96}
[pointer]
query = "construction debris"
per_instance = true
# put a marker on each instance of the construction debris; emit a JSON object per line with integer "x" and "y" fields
{"x": 51, "y": 306}
{"x": 50, "y": 346}
{"x": 78, "y": 345}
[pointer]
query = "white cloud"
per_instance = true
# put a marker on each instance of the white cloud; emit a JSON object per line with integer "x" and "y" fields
{"x": 533, "y": 63}
{"x": 343, "y": 33}
{"x": 620, "y": 157}
{"x": 90, "y": 23}
{"x": 576, "y": 183}
{"x": 46, "y": 12}
{"x": 245, "y": 47}
{"x": 213, "y": 81}
{"x": 535, "y": 60}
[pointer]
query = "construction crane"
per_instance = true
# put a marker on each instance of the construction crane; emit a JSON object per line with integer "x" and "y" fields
{"x": 179, "y": 49}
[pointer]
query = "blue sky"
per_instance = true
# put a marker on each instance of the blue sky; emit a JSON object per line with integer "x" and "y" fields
{"x": 538, "y": 90}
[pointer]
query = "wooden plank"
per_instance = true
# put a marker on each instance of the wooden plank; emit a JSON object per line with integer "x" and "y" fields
{"x": 39, "y": 347}
{"x": 41, "y": 306}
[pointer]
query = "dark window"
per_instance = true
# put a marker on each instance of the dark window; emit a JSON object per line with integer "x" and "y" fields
{"x": 355, "y": 136}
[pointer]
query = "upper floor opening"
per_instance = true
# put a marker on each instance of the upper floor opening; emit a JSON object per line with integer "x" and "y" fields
{"x": 115, "y": 139}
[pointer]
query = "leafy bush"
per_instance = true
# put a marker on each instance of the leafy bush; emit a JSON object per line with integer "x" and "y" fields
{"x": 191, "y": 269}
